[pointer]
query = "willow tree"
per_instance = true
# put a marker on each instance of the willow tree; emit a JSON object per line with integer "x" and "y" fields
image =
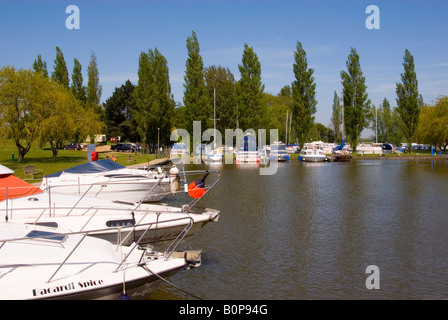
{"x": 355, "y": 99}
{"x": 409, "y": 103}
{"x": 304, "y": 95}
{"x": 250, "y": 91}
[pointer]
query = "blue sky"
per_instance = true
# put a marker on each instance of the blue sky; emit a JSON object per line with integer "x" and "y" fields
{"x": 118, "y": 31}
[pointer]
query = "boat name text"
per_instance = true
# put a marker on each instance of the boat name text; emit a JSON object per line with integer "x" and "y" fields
{"x": 67, "y": 287}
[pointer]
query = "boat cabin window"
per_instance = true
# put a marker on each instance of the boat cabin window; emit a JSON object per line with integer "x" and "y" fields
{"x": 45, "y": 235}
{"x": 120, "y": 223}
{"x": 45, "y": 224}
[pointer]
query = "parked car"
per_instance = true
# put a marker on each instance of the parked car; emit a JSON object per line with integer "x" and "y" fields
{"x": 73, "y": 146}
{"x": 123, "y": 147}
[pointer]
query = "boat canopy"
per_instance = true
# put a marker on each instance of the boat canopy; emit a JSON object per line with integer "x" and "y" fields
{"x": 103, "y": 165}
{"x": 14, "y": 187}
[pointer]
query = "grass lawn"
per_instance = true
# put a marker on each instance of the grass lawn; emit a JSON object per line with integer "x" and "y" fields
{"x": 43, "y": 159}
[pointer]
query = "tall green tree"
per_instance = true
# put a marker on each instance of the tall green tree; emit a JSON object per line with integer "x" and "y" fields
{"x": 409, "y": 102}
{"x": 40, "y": 66}
{"x": 77, "y": 87}
{"x": 60, "y": 72}
{"x": 94, "y": 89}
{"x": 355, "y": 99}
{"x": 336, "y": 117}
{"x": 197, "y": 106}
{"x": 119, "y": 111}
{"x": 304, "y": 95}
{"x": 221, "y": 91}
{"x": 154, "y": 101}
{"x": 250, "y": 91}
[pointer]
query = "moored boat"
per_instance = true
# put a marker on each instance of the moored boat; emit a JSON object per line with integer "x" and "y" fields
{"x": 312, "y": 153}
{"x": 80, "y": 213}
{"x": 44, "y": 263}
{"x": 107, "y": 179}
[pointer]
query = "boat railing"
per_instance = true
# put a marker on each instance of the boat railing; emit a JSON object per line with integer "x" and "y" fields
{"x": 195, "y": 173}
{"x": 50, "y": 236}
{"x": 53, "y": 210}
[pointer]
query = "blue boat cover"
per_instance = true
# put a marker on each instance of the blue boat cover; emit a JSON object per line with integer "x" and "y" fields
{"x": 103, "y": 165}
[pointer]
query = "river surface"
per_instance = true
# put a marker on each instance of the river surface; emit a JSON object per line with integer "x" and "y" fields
{"x": 311, "y": 231}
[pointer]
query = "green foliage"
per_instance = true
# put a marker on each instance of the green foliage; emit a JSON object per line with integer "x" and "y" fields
{"x": 94, "y": 88}
{"x": 119, "y": 111}
{"x": 336, "y": 117}
{"x": 355, "y": 99}
{"x": 433, "y": 124}
{"x": 60, "y": 72}
{"x": 40, "y": 66}
{"x": 196, "y": 103}
{"x": 220, "y": 85}
{"x": 77, "y": 87}
{"x": 250, "y": 91}
{"x": 303, "y": 93}
{"x": 409, "y": 103}
{"x": 154, "y": 102}
{"x": 34, "y": 108}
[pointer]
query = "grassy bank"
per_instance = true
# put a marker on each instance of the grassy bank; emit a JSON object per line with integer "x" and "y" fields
{"x": 43, "y": 159}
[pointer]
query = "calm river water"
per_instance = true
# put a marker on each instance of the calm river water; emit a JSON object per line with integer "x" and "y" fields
{"x": 311, "y": 230}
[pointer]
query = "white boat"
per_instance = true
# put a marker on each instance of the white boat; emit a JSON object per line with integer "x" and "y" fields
{"x": 107, "y": 179}
{"x": 278, "y": 151}
{"x": 179, "y": 153}
{"x": 215, "y": 155}
{"x": 43, "y": 263}
{"x": 312, "y": 153}
{"x": 366, "y": 148}
{"x": 247, "y": 152}
{"x": 80, "y": 213}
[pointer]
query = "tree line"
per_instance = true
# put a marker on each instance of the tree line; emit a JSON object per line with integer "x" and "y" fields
{"x": 35, "y": 106}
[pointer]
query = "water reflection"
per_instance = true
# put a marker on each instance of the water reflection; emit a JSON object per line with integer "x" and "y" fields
{"x": 310, "y": 231}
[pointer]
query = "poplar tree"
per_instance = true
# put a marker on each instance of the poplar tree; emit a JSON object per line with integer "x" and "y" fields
{"x": 60, "y": 72}
{"x": 336, "y": 117}
{"x": 154, "y": 101}
{"x": 195, "y": 97}
{"x": 250, "y": 91}
{"x": 355, "y": 99}
{"x": 303, "y": 93}
{"x": 409, "y": 103}
{"x": 94, "y": 88}
{"x": 40, "y": 66}
{"x": 78, "y": 90}
{"x": 221, "y": 89}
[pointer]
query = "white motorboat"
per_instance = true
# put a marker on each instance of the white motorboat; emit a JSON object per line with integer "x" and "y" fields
{"x": 80, "y": 213}
{"x": 179, "y": 153}
{"x": 248, "y": 151}
{"x": 312, "y": 153}
{"x": 107, "y": 179}
{"x": 43, "y": 263}
{"x": 278, "y": 151}
{"x": 215, "y": 155}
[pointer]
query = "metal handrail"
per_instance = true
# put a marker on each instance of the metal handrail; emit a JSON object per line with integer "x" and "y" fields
{"x": 86, "y": 233}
